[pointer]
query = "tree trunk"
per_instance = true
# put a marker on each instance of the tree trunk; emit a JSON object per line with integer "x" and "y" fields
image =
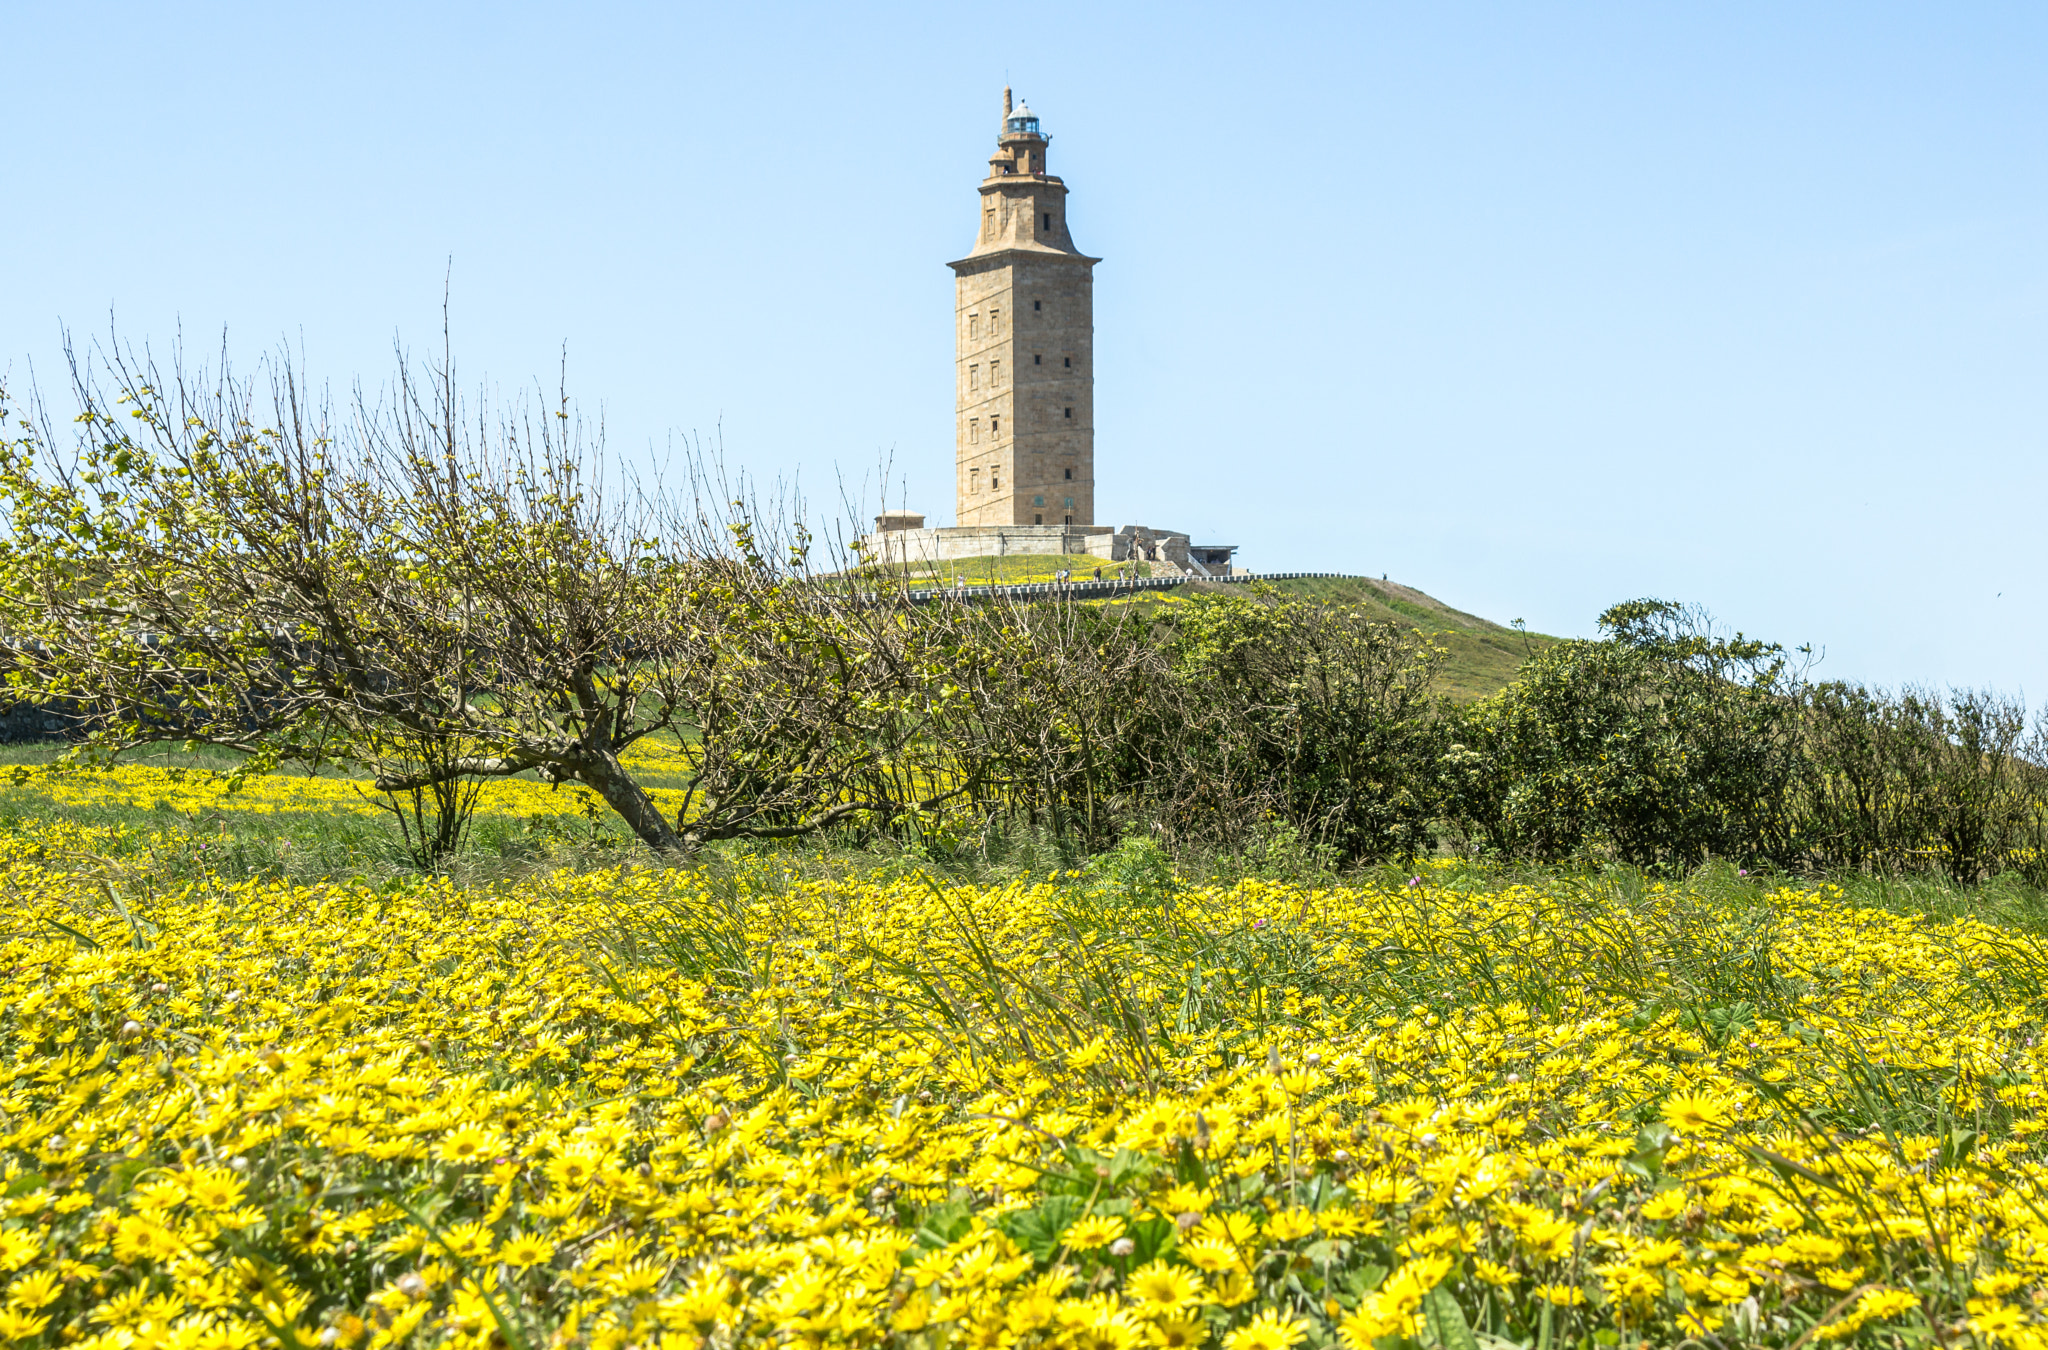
{"x": 634, "y": 806}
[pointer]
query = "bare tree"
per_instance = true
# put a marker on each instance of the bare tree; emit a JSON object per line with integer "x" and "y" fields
{"x": 437, "y": 594}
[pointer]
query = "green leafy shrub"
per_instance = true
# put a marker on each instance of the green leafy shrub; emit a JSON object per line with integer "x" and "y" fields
{"x": 1662, "y": 744}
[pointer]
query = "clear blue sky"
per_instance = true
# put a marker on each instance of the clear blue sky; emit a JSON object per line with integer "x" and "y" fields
{"x": 1536, "y": 307}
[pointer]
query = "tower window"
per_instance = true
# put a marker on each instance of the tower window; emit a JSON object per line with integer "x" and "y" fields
{"x": 974, "y": 480}
{"x": 1038, "y": 501}
{"x": 995, "y": 374}
{"x": 1048, "y": 220}
{"x": 1036, "y": 359}
{"x": 1070, "y": 362}
{"x": 995, "y": 428}
{"x": 995, "y": 322}
{"x": 1070, "y": 412}
{"x": 1038, "y": 520}
{"x": 1035, "y": 305}
{"x": 974, "y": 324}
{"x": 995, "y": 479}
{"x": 1070, "y": 473}
{"x": 1070, "y": 503}
{"x": 974, "y": 431}
{"x": 1068, "y": 521}
{"x": 974, "y": 377}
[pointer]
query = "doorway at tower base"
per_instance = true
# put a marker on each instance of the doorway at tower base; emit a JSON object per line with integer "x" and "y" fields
{"x": 912, "y": 547}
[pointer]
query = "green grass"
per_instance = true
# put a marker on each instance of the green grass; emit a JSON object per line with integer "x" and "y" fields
{"x": 1484, "y": 655}
{"x": 1021, "y": 569}
{"x": 1482, "y": 658}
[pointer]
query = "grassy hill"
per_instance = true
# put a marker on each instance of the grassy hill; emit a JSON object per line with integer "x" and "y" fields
{"x": 1483, "y": 655}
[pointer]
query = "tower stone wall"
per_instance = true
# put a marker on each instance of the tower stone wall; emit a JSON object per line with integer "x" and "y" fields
{"x": 1024, "y": 320}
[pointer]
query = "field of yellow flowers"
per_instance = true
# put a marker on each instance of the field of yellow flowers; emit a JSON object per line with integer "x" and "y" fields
{"x": 734, "y": 1106}
{"x": 199, "y": 792}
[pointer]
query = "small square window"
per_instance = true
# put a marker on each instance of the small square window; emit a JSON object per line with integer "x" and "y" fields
{"x": 1038, "y": 501}
{"x": 1070, "y": 503}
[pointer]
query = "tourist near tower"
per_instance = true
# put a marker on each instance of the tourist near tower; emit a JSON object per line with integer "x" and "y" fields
{"x": 1024, "y": 331}
{"x": 1024, "y": 387}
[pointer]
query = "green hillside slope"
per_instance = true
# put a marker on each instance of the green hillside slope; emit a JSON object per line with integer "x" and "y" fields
{"x": 1483, "y": 655}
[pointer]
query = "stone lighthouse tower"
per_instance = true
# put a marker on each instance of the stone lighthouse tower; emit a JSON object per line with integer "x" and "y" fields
{"x": 1024, "y": 326}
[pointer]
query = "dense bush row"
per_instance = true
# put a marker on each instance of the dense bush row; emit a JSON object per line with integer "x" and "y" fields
{"x": 1660, "y": 744}
{"x": 438, "y": 598}
{"x": 1664, "y": 745}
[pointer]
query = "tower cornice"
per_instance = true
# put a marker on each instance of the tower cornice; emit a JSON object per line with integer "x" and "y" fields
{"x": 1007, "y": 253}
